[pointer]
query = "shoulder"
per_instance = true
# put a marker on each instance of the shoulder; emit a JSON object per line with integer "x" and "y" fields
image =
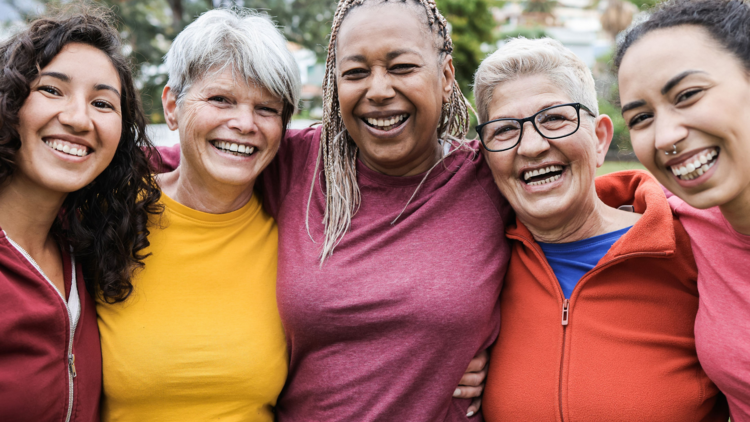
{"x": 471, "y": 160}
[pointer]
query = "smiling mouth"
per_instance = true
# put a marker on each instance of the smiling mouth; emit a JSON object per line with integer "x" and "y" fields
{"x": 543, "y": 176}
{"x": 386, "y": 124}
{"x": 68, "y": 148}
{"x": 238, "y": 150}
{"x": 696, "y": 165}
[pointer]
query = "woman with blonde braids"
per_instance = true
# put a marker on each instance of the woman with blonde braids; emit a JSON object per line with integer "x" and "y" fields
{"x": 391, "y": 243}
{"x": 385, "y": 303}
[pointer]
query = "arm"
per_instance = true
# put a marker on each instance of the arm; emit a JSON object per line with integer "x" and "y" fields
{"x": 472, "y": 383}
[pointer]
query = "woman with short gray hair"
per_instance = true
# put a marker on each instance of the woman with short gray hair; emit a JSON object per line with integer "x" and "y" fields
{"x": 200, "y": 336}
{"x": 600, "y": 296}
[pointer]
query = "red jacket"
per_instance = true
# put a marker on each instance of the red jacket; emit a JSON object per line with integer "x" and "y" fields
{"x": 622, "y": 348}
{"x": 37, "y": 371}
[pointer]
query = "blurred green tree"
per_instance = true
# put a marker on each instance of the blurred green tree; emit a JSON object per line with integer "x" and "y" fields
{"x": 472, "y": 28}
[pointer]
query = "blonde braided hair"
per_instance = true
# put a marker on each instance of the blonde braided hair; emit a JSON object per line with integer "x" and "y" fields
{"x": 339, "y": 152}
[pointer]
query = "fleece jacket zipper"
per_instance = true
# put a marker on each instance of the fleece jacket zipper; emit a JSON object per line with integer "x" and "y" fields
{"x": 70, "y": 361}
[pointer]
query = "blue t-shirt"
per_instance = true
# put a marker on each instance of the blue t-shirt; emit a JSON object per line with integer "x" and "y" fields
{"x": 570, "y": 261}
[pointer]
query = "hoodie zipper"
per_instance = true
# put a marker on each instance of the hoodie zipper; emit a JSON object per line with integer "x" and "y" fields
{"x": 566, "y": 305}
{"x": 73, "y": 323}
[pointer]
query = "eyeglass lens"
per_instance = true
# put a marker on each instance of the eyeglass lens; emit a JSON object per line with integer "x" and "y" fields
{"x": 556, "y": 122}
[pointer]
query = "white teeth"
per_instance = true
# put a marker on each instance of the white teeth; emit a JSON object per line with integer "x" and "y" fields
{"x": 78, "y": 151}
{"x": 545, "y": 181}
{"x": 232, "y": 147}
{"x": 386, "y": 123}
{"x": 538, "y": 172}
{"x": 696, "y": 168}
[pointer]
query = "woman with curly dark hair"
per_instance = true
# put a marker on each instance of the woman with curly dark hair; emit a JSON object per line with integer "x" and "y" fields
{"x": 75, "y": 199}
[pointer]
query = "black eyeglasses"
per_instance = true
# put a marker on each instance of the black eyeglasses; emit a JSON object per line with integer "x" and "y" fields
{"x": 552, "y": 123}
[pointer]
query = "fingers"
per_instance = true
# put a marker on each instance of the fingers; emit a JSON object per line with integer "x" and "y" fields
{"x": 474, "y": 407}
{"x": 473, "y": 379}
{"x": 466, "y": 392}
{"x": 479, "y": 362}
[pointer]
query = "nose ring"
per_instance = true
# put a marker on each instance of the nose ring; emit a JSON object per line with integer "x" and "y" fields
{"x": 674, "y": 150}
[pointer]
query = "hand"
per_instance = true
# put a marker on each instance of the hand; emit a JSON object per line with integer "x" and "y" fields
{"x": 472, "y": 383}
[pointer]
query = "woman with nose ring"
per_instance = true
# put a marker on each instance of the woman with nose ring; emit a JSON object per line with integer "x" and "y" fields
{"x": 600, "y": 296}
{"x": 684, "y": 77}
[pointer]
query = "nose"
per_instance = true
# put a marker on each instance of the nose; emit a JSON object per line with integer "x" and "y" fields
{"x": 243, "y": 121}
{"x": 380, "y": 88}
{"x": 669, "y": 129}
{"x": 532, "y": 143}
{"x": 75, "y": 115}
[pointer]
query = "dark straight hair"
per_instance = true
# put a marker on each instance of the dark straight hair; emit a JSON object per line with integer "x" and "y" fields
{"x": 727, "y": 22}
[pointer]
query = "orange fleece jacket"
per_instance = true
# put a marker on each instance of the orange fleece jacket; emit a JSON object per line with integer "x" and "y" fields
{"x": 625, "y": 351}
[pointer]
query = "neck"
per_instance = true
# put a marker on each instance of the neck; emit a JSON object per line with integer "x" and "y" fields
{"x": 737, "y": 212}
{"x": 203, "y": 193}
{"x": 592, "y": 219}
{"x": 28, "y": 211}
{"x": 416, "y": 166}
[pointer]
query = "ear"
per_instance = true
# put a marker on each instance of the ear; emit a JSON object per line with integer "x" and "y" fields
{"x": 604, "y": 130}
{"x": 169, "y": 103}
{"x": 448, "y": 74}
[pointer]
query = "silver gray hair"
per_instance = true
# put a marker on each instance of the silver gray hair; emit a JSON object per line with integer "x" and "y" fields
{"x": 245, "y": 41}
{"x": 523, "y": 57}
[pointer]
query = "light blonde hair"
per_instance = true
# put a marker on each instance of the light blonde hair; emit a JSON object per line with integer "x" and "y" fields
{"x": 522, "y": 57}
{"x": 338, "y": 151}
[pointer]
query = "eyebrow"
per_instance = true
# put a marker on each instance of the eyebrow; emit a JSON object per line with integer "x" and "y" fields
{"x": 674, "y": 81}
{"x": 395, "y": 53}
{"x": 61, "y": 76}
{"x": 390, "y": 56}
{"x": 65, "y": 78}
{"x": 632, "y": 105}
{"x": 99, "y": 87}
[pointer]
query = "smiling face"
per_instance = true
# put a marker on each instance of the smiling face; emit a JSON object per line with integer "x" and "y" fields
{"x": 680, "y": 87}
{"x": 391, "y": 85}
{"x": 547, "y": 182}
{"x": 70, "y": 124}
{"x": 229, "y": 131}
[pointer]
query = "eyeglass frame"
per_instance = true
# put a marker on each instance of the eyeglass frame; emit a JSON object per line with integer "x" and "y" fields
{"x": 522, "y": 122}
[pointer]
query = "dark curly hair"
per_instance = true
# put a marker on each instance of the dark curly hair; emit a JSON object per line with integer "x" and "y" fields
{"x": 727, "y": 22}
{"x": 106, "y": 221}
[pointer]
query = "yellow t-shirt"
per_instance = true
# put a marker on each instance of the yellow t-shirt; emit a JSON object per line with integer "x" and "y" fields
{"x": 200, "y": 337}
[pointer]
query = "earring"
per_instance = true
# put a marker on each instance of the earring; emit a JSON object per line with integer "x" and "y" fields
{"x": 446, "y": 107}
{"x": 674, "y": 150}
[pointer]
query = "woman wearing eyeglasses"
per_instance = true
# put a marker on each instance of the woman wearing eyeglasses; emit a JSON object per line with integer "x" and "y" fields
{"x": 600, "y": 296}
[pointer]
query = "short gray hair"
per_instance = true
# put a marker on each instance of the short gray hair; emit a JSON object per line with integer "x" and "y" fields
{"x": 523, "y": 57}
{"x": 244, "y": 40}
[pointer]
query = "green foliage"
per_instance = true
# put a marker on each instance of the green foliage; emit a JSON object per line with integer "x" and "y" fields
{"x": 621, "y": 137}
{"x": 540, "y": 6}
{"x": 148, "y": 28}
{"x": 521, "y": 31}
{"x": 305, "y": 22}
{"x": 472, "y": 25}
{"x": 609, "y": 104}
{"x": 645, "y": 4}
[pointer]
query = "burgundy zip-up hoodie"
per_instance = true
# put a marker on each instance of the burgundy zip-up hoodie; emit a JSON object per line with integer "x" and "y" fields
{"x": 39, "y": 367}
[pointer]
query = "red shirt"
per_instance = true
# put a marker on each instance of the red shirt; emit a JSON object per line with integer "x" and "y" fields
{"x": 36, "y": 374}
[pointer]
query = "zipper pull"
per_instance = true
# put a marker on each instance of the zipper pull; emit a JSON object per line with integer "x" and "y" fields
{"x": 565, "y": 311}
{"x": 72, "y": 364}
